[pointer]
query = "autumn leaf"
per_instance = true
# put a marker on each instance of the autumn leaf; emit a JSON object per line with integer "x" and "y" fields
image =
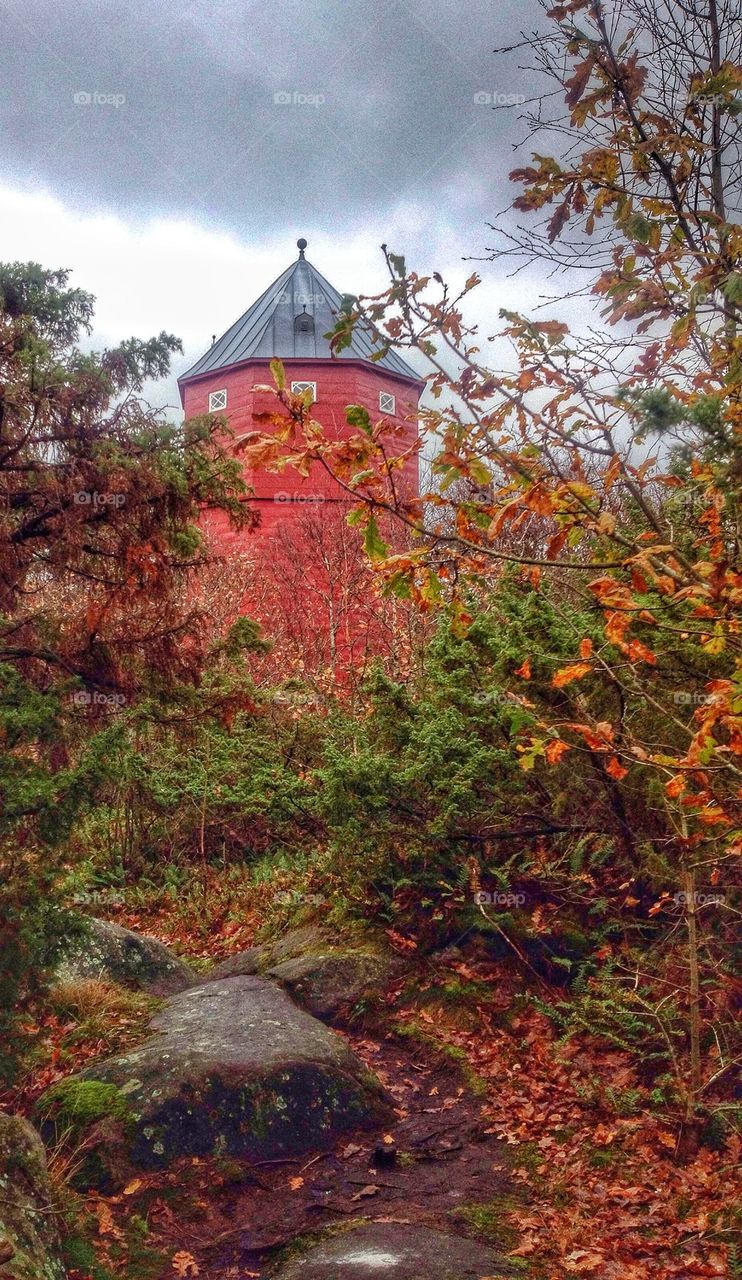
{"x": 524, "y": 670}
{"x": 366, "y": 1192}
{"x": 184, "y": 1264}
{"x": 105, "y": 1218}
{"x": 583, "y": 1261}
{"x": 639, "y": 652}
{"x": 296, "y": 1183}
{"x": 616, "y": 769}
{"x": 566, "y": 675}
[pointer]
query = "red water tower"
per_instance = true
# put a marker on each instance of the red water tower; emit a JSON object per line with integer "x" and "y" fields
{"x": 289, "y": 321}
{"x": 301, "y": 572}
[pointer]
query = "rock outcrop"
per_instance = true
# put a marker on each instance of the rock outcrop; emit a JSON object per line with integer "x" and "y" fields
{"x": 387, "y": 1251}
{"x": 325, "y": 979}
{"x": 234, "y": 1068}
{"x": 29, "y": 1242}
{"x": 107, "y": 950}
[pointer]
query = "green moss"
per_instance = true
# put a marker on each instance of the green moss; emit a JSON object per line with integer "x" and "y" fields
{"x": 457, "y": 992}
{"x": 230, "y": 1171}
{"x": 142, "y": 1262}
{"x": 77, "y": 1104}
{"x": 79, "y": 1255}
{"x": 526, "y": 1156}
{"x": 475, "y": 1082}
{"x": 605, "y": 1157}
{"x": 309, "y": 1239}
{"x": 488, "y": 1221}
{"x": 413, "y": 1031}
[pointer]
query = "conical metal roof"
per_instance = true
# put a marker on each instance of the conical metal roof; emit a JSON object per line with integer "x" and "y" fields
{"x": 290, "y": 320}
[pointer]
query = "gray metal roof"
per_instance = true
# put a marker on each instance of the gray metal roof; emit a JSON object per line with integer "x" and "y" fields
{"x": 290, "y": 320}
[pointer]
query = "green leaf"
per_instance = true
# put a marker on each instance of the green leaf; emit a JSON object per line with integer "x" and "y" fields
{"x": 639, "y": 228}
{"x": 732, "y": 287}
{"x": 357, "y": 416}
{"x": 398, "y": 585}
{"x": 373, "y": 543}
{"x": 479, "y": 472}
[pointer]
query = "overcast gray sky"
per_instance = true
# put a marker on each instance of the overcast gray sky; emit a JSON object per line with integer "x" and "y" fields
{"x": 172, "y": 152}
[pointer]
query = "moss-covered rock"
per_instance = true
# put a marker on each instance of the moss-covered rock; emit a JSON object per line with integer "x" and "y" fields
{"x": 325, "y": 978}
{"x": 234, "y": 1069}
{"x": 297, "y": 942}
{"x": 107, "y": 950}
{"x": 329, "y": 983}
{"x": 74, "y": 1104}
{"x": 29, "y": 1242}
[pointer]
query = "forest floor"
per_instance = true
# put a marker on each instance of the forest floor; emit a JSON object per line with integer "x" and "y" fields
{"x": 233, "y": 1220}
{"x": 551, "y": 1151}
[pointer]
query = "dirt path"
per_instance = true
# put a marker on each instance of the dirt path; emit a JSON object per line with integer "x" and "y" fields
{"x": 233, "y": 1219}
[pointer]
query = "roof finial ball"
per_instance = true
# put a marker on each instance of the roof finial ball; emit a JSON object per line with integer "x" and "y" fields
{"x": 301, "y": 246}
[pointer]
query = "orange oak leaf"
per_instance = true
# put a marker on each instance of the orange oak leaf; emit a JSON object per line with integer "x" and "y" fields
{"x": 575, "y": 671}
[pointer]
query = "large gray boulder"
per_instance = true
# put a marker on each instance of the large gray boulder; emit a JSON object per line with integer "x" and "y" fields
{"x": 305, "y": 940}
{"x": 385, "y": 1251}
{"x": 29, "y": 1243}
{"x": 107, "y": 950}
{"x": 329, "y": 983}
{"x": 234, "y": 1068}
{"x": 327, "y": 979}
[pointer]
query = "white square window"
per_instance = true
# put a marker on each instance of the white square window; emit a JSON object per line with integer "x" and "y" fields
{"x": 298, "y": 387}
{"x": 387, "y": 402}
{"x": 217, "y": 401}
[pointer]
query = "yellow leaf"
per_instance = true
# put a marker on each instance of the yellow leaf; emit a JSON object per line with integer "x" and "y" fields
{"x": 606, "y": 522}
{"x": 132, "y": 1186}
{"x": 295, "y": 1183}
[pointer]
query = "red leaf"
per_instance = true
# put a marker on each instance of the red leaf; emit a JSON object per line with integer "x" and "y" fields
{"x": 616, "y": 769}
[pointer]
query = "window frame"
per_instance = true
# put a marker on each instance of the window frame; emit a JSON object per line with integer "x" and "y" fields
{"x": 220, "y": 407}
{"x": 301, "y": 384}
{"x": 388, "y": 395}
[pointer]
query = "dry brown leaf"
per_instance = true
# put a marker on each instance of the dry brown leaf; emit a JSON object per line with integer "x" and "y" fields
{"x": 184, "y": 1264}
{"x": 365, "y": 1192}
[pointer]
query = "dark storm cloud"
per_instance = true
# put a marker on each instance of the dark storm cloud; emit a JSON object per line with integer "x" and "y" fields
{"x": 263, "y": 111}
